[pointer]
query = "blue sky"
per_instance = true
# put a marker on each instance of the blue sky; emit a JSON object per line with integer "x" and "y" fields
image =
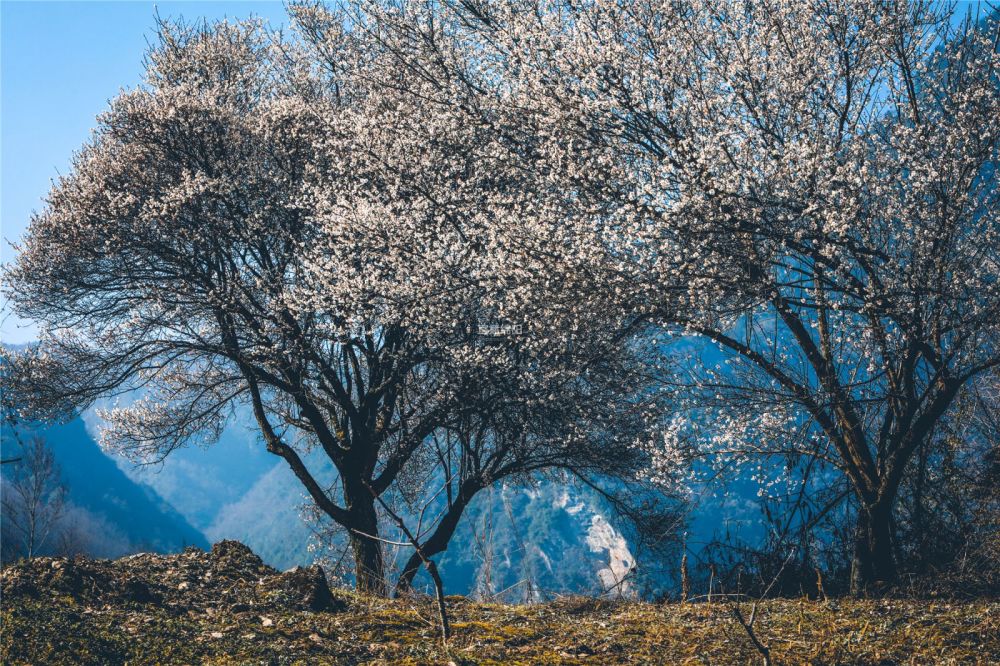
{"x": 60, "y": 64}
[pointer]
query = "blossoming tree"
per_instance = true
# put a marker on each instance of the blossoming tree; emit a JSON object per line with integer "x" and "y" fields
{"x": 815, "y": 182}
{"x": 252, "y": 227}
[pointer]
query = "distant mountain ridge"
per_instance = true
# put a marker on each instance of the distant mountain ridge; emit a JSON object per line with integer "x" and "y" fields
{"x": 522, "y": 541}
{"x": 526, "y": 541}
{"x": 119, "y": 515}
{"x": 565, "y": 540}
{"x": 199, "y": 481}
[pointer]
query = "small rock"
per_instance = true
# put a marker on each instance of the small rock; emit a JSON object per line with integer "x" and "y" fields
{"x": 66, "y": 579}
{"x": 266, "y": 621}
{"x": 133, "y": 589}
{"x": 300, "y": 589}
{"x": 216, "y": 634}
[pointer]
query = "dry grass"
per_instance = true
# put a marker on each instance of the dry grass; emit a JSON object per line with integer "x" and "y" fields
{"x": 59, "y": 630}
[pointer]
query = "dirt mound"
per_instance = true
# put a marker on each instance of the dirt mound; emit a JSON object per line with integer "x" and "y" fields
{"x": 229, "y": 577}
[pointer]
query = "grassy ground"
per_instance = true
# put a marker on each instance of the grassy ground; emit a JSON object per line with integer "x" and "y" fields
{"x": 59, "y": 630}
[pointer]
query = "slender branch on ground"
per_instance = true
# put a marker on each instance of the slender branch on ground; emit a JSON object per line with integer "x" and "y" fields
{"x": 429, "y": 564}
{"x": 748, "y": 622}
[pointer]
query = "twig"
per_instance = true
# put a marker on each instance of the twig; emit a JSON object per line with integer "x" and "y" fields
{"x": 747, "y": 623}
{"x": 685, "y": 580}
{"x": 428, "y": 564}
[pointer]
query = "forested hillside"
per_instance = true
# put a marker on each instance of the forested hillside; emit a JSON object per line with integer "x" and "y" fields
{"x": 105, "y": 514}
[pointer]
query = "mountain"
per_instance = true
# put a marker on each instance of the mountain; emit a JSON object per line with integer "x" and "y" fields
{"x": 524, "y": 541}
{"x": 113, "y": 513}
{"x": 199, "y": 481}
{"x": 268, "y": 519}
{"x": 549, "y": 537}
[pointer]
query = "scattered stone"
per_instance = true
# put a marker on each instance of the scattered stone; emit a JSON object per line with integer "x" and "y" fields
{"x": 137, "y": 591}
{"x": 300, "y": 589}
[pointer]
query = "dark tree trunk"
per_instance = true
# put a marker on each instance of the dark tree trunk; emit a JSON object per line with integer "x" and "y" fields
{"x": 438, "y": 541}
{"x": 873, "y": 570}
{"x": 369, "y": 570}
{"x": 369, "y": 565}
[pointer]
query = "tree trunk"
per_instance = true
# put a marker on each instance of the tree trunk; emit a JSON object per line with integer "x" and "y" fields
{"x": 369, "y": 565}
{"x": 873, "y": 570}
{"x": 438, "y": 541}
